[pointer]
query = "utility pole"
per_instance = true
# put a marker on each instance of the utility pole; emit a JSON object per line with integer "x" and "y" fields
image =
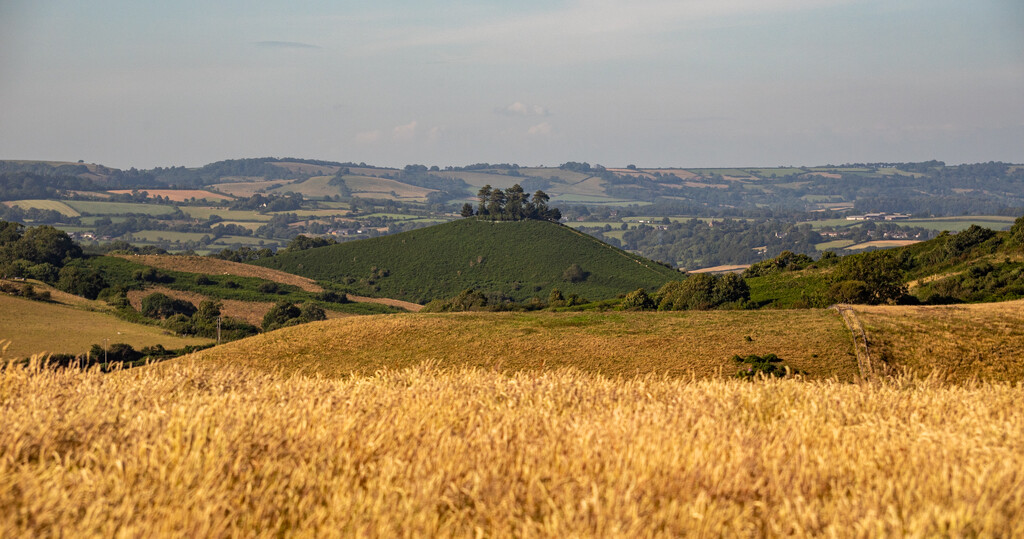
{"x": 218, "y": 328}
{"x": 106, "y": 346}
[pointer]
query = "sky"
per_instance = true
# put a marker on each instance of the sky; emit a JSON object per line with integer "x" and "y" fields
{"x": 655, "y": 83}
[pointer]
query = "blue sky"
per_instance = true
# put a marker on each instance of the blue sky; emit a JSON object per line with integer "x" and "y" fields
{"x": 648, "y": 82}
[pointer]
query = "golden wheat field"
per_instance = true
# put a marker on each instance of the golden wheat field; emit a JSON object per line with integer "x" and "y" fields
{"x": 194, "y": 449}
{"x": 691, "y": 344}
{"x": 982, "y": 341}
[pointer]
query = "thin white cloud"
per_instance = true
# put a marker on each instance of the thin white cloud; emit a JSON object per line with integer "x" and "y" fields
{"x": 583, "y": 29}
{"x": 405, "y": 132}
{"x": 542, "y": 129}
{"x": 521, "y": 109}
{"x": 368, "y": 136}
{"x": 435, "y": 133}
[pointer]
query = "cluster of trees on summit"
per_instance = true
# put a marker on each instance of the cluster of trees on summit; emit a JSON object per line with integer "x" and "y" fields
{"x": 512, "y": 204}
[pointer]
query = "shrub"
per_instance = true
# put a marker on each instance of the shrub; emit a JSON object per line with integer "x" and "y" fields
{"x": 766, "y": 365}
{"x": 158, "y": 305}
{"x": 702, "y": 291}
{"x": 574, "y": 274}
{"x": 785, "y": 261}
{"x": 638, "y": 300}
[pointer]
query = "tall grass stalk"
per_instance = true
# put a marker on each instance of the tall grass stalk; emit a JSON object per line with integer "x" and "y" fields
{"x": 195, "y": 449}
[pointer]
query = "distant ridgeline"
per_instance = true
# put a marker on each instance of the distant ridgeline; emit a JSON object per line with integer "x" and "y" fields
{"x": 516, "y": 260}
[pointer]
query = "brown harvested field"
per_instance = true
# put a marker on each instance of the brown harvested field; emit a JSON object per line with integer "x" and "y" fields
{"x": 960, "y": 342}
{"x": 721, "y": 269}
{"x": 250, "y": 311}
{"x": 177, "y": 195}
{"x": 883, "y": 244}
{"x": 214, "y": 266}
{"x": 697, "y": 344}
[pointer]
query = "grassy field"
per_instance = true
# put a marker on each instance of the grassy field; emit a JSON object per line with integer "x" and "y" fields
{"x": 213, "y": 266}
{"x": 198, "y": 450}
{"x": 54, "y": 205}
{"x": 369, "y": 187}
{"x": 153, "y": 236}
{"x": 982, "y": 341}
{"x": 248, "y": 189}
{"x": 205, "y": 212}
{"x": 315, "y": 187}
{"x": 119, "y": 208}
{"x": 34, "y": 327}
{"x": 835, "y": 244}
{"x": 699, "y": 344}
{"x": 957, "y": 224}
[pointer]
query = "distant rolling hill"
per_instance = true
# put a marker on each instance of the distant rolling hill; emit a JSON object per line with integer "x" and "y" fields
{"x": 521, "y": 259}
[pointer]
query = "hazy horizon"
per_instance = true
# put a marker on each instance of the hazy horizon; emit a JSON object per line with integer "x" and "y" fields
{"x": 696, "y": 83}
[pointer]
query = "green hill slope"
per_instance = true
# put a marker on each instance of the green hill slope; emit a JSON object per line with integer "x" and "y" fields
{"x": 972, "y": 266}
{"x": 520, "y": 259}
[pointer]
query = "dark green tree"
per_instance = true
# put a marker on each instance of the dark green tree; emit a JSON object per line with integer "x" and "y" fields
{"x": 159, "y": 305}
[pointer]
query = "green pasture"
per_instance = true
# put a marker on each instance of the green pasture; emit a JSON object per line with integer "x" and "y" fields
{"x": 837, "y": 244}
{"x": 767, "y": 172}
{"x": 53, "y": 205}
{"x": 205, "y": 212}
{"x": 957, "y": 224}
{"x": 157, "y": 236}
{"x": 119, "y": 208}
{"x": 315, "y": 187}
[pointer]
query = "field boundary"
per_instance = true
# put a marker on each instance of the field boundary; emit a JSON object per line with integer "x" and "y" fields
{"x": 860, "y": 340}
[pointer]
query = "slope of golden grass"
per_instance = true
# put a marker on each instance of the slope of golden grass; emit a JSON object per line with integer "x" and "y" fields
{"x": 193, "y": 450}
{"x": 983, "y": 341}
{"x": 699, "y": 344}
{"x": 214, "y": 266}
{"x": 59, "y": 296}
{"x": 35, "y": 327}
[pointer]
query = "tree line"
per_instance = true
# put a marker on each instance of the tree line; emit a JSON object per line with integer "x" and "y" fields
{"x": 512, "y": 204}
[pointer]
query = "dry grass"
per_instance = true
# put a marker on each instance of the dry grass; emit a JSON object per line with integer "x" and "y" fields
{"x": 177, "y": 195}
{"x": 699, "y": 344}
{"x": 963, "y": 342}
{"x": 214, "y": 266}
{"x": 194, "y": 450}
{"x": 35, "y": 327}
{"x": 882, "y": 244}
